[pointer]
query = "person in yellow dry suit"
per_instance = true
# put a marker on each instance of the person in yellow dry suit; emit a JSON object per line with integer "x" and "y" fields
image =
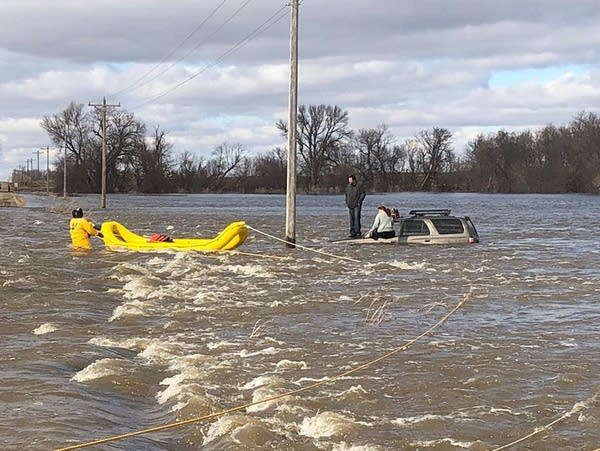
{"x": 81, "y": 229}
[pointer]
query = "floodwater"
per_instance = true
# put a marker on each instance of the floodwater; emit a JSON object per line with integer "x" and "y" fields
{"x": 103, "y": 343}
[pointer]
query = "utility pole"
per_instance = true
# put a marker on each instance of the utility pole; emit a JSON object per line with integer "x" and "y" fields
{"x": 47, "y": 169}
{"x": 290, "y": 213}
{"x": 65, "y": 172}
{"x": 103, "y": 106}
{"x": 37, "y": 175}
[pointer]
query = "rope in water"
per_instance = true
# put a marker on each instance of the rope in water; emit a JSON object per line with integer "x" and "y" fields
{"x": 304, "y": 247}
{"x": 576, "y": 408}
{"x": 321, "y": 382}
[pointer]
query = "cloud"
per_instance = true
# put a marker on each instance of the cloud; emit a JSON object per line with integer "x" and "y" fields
{"x": 410, "y": 65}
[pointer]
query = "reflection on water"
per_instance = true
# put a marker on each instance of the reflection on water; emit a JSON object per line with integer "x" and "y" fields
{"x": 102, "y": 343}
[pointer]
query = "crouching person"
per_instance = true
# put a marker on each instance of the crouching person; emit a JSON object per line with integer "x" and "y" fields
{"x": 383, "y": 226}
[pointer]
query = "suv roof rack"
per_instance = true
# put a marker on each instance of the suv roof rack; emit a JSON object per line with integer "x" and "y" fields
{"x": 429, "y": 212}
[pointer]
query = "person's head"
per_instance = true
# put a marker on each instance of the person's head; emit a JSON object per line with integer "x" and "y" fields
{"x": 77, "y": 213}
{"x": 352, "y": 179}
{"x": 384, "y": 209}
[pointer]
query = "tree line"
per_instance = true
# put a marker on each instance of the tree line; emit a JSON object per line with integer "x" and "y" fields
{"x": 553, "y": 159}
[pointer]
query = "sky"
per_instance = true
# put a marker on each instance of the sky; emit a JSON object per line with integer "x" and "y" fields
{"x": 217, "y": 71}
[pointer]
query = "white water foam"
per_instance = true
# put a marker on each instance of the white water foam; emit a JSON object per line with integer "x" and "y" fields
{"x": 98, "y": 369}
{"x": 343, "y": 446}
{"x": 22, "y": 280}
{"x": 408, "y": 421}
{"x": 262, "y": 381}
{"x": 129, "y": 309}
{"x": 188, "y": 385}
{"x": 250, "y": 270}
{"x": 355, "y": 391}
{"x": 128, "y": 343}
{"x": 267, "y": 351}
{"x": 141, "y": 287}
{"x": 442, "y": 441}
{"x": 227, "y": 425}
{"x": 179, "y": 389}
{"x": 220, "y": 344}
{"x": 45, "y": 329}
{"x": 286, "y": 364}
{"x": 407, "y": 266}
{"x": 264, "y": 393}
{"x": 326, "y": 424}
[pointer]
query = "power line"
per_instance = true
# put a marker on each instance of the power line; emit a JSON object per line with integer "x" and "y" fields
{"x": 241, "y": 43}
{"x": 171, "y": 53}
{"x": 199, "y": 44}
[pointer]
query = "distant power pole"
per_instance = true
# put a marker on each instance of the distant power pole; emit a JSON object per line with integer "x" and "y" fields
{"x": 290, "y": 213}
{"x": 47, "y": 170}
{"x": 38, "y": 162}
{"x": 65, "y": 172}
{"x": 103, "y": 107}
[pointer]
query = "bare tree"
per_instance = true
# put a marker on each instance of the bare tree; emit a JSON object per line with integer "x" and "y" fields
{"x": 152, "y": 163}
{"x": 270, "y": 169}
{"x": 125, "y": 137}
{"x": 430, "y": 153}
{"x": 191, "y": 173}
{"x": 226, "y": 158}
{"x": 379, "y": 157}
{"x": 72, "y": 128}
{"x": 322, "y": 130}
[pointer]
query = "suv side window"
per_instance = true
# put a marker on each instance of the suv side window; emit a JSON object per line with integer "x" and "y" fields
{"x": 447, "y": 226}
{"x": 414, "y": 227}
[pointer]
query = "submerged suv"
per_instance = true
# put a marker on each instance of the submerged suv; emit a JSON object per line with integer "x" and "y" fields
{"x": 434, "y": 227}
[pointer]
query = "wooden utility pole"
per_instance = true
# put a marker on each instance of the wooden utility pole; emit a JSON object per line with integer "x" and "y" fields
{"x": 38, "y": 163}
{"x": 47, "y": 170}
{"x": 65, "y": 172}
{"x": 290, "y": 213}
{"x": 103, "y": 107}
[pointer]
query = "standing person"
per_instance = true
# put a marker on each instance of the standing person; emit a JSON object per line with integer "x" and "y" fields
{"x": 383, "y": 226}
{"x": 355, "y": 194}
{"x": 81, "y": 229}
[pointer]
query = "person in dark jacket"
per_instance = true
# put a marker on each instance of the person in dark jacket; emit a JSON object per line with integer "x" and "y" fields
{"x": 355, "y": 194}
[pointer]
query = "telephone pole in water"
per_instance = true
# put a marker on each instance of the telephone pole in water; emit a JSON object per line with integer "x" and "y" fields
{"x": 290, "y": 213}
{"x": 47, "y": 171}
{"x": 103, "y": 107}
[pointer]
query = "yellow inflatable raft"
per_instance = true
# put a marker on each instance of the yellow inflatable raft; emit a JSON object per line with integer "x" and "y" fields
{"x": 118, "y": 237}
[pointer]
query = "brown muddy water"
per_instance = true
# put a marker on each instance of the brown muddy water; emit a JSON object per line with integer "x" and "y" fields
{"x": 99, "y": 344}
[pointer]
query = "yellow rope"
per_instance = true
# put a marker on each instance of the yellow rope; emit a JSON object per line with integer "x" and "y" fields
{"x": 275, "y": 397}
{"x": 304, "y": 247}
{"x": 576, "y": 408}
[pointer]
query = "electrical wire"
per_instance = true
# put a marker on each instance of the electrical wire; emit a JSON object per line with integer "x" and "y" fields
{"x": 171, "y": 53}
{"x": 178, "y": 60}
{"x": 272, "y": 20}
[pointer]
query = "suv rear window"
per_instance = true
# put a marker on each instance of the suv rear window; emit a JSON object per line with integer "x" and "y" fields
{"x": 414, "y": 227}
{"x": 447, "y": 226}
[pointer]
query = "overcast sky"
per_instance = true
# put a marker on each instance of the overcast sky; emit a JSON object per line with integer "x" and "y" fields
{"x": 471, "y": 66}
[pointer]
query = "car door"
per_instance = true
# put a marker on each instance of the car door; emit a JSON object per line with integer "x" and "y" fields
{"x": 414, "y": 230}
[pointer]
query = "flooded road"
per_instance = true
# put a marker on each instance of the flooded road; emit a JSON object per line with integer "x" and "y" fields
{"x": 103, "y": 343}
